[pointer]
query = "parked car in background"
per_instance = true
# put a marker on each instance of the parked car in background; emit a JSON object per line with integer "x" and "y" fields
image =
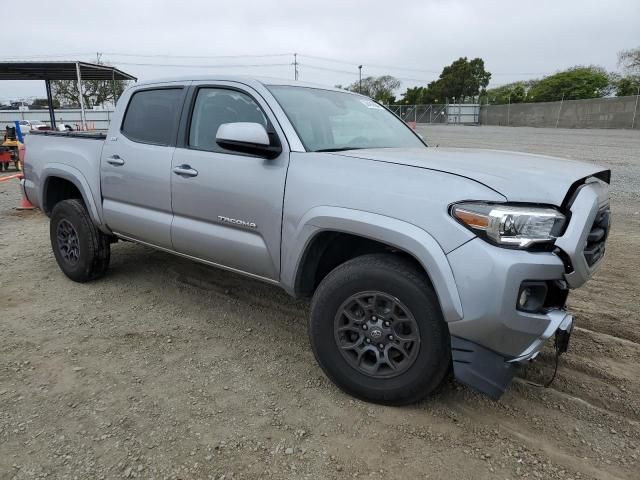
{"x": 417, "y": 258}
{"x": 27, "y": 126}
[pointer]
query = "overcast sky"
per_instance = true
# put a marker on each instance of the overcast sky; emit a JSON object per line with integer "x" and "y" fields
{"x": 410, "y": 39}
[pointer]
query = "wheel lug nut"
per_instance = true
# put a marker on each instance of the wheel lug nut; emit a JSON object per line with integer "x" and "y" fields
{"x": 390, "y": 337}
{"x": 374, "y": 318}
{"x": 381, "y": 346}
{"x": 364, "y": 327}
{"x": 387, "y": 324}
{"x": 368, "y": 340}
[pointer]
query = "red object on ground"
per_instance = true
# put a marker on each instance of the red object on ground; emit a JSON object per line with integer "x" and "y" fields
{"x": 25, "y": 204}
{"x": 412, "y": 125}
{"x": 4, "y": 179}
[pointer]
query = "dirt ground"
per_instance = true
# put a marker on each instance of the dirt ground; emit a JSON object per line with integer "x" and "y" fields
{"x": 169, "y": 369}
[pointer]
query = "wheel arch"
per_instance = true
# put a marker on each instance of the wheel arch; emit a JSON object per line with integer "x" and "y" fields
{"x": 322, "y": 225}
{"x": 56, "y": 176}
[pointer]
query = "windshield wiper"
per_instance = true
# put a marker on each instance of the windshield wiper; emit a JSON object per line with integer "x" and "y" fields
{"x": 339, "y": 149}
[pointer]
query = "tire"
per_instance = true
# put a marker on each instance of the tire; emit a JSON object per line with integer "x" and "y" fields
{"x": 90, "y": 259}
{"x": 398, "y": 284}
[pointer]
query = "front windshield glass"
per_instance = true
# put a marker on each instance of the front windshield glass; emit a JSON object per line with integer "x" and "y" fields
{"x": 326, "y": 120}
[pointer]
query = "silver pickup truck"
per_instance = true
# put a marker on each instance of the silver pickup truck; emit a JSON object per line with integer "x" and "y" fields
{"x": 420, "y": 260}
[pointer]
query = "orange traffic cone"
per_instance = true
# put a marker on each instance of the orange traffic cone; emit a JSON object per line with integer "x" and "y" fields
{"x": 25, "y": 204}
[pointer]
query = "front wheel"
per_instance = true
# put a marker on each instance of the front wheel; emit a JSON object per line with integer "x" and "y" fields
{"x": 377, "y": 330}
{"x": 81, "y": 250}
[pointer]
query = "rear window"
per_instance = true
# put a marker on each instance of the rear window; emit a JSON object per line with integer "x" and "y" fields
{"x": 152, "y": 116}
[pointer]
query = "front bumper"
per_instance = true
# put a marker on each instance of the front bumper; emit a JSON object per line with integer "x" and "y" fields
{"x": 494, "y": 331}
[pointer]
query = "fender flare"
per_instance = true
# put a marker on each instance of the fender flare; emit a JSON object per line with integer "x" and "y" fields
{"x": 74, "y": 176}
{"x": 397, "y": 233}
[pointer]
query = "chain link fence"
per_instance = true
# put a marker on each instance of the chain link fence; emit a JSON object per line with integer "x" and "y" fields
{"x": 420, "y": 113}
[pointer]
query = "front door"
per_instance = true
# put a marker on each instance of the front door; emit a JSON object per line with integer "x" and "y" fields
{"x": 136, "y": 166}
{"x": 227, "y": 206}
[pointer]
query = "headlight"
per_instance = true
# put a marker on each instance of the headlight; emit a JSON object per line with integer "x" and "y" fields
{"x": 517, "y": 226}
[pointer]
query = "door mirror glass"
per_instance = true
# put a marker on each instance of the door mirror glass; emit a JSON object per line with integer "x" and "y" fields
{"x": 247, "y": 137}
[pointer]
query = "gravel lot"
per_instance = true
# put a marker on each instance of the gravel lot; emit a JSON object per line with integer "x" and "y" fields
{"x": 169, "y": 369}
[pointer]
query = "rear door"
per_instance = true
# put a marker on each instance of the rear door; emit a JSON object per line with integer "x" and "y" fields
{"x": 228, "y": 211}
{"x": 136, "y": 166}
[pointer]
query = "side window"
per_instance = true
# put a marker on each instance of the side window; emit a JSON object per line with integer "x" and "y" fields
{"x": 215, "y": 106}
{"x": 152, "y": 116}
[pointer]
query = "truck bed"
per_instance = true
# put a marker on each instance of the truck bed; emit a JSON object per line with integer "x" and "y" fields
{"x": 64, "y": 155}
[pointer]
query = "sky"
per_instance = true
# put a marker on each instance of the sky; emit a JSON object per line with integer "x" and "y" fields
{"x": 411, "y": 40}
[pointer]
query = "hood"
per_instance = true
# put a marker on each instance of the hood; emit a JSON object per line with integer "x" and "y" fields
{"x": 520, "y": 177}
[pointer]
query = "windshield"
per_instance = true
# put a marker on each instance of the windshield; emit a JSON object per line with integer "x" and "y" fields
{"x": 327, "y": 120}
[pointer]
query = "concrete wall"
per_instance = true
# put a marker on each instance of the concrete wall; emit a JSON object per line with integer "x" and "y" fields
{"x": 96, "y": 119}
{"x": 617, "y": 112}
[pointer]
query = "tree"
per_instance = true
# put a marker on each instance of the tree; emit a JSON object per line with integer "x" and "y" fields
{"x": 43, "y": 103}
{"x": 415, "y": 96}
{"x": 628, "y": 85}
{"x": 463, "y": 78}
{"x": 511, "y": 93}
{"x": 572, "y": 84}
{"x": 380, "y": 89}
{"x": 94, "y": 92}
{"x": 629, "y": 60}
{"x": 421, "y": 96}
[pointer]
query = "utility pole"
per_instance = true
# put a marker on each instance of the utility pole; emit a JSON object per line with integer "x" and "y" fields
{"x": 295, "y": 66}
{"x": 79, "y": 83}
{"x": 560, "y": 110}
{"x": 635, "y": 110}
{"x": 98, "y": 58}
{"x": 360, "y": 83}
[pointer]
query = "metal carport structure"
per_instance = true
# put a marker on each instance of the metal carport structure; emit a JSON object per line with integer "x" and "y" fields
{"x": 48, "y": 71}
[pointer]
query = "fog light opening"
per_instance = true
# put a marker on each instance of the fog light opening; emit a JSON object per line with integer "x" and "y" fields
{"x": 531, "y": 296}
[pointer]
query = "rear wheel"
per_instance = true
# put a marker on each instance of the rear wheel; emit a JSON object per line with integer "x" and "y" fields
{"x": 81, "y": 250}
{"x": 377, "y": 330}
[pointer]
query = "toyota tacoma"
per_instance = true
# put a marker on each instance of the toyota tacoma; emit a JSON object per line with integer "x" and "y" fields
{"x": 419, "y": 260}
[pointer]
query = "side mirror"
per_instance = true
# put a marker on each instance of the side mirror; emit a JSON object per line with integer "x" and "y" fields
{"x": 248, "y": 137}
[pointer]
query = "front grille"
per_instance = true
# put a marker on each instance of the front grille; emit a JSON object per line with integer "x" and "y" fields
{"x": 594, "y": 249}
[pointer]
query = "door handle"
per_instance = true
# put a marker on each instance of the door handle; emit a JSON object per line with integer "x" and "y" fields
{"x": 115, "y": 160}
{"x": 185, "y": 171}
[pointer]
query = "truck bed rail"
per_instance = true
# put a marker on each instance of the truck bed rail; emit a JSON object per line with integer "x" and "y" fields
{"x": 88, "y": 135}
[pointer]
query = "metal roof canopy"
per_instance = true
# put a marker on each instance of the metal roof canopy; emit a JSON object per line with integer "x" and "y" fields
{"x": 48, "y": 71}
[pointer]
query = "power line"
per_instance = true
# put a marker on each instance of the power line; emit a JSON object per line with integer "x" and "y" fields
{"x": 355, "y": 72}
{"x": 409, "y": 69}
{"x": 186, "y": 65}
{"x": 370, "y": 65}
{"x": 268, "y": 55}
{"x": 50, "y": 55}
{"x": 161, "y": 55}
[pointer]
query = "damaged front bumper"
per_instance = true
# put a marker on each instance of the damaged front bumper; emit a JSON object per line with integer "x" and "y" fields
{"x": 496, "y": 333}
{"x": 491, "y": 373}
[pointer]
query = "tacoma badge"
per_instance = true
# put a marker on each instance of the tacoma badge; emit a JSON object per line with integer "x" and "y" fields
{"x": 240, "y": 223}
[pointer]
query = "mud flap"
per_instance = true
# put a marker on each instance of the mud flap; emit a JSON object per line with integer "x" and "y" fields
{"x": 480, "y": 368}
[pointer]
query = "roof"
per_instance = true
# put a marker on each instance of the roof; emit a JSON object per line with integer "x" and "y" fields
{"x": 60, "y": 71}
{"x": 246, "y": 79}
